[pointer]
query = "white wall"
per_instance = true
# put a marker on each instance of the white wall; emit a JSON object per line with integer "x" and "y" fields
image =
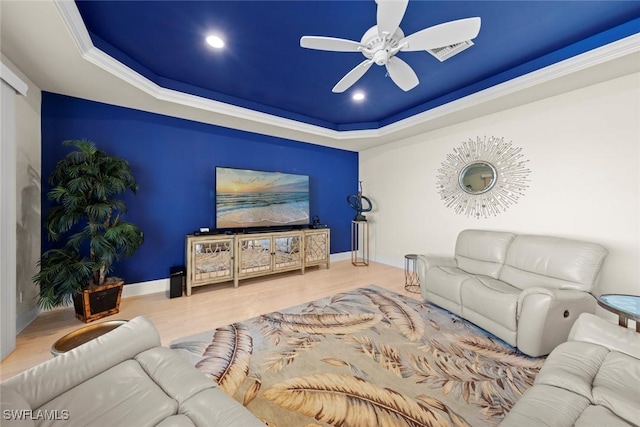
{"x": 584, "y": 151}
{"x": 27, "y": 203}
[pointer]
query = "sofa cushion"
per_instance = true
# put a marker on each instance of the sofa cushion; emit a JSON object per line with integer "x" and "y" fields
{"x": 572, "y": 366}
{"x": 492, "y": 298}
{"x": 616, "y": 386}
{"x": 446, "y": 282}
{"x": 599, "y": 416}
{"x": 213, "y": 407}
{"x": 552, "y": 262}
{"x": 121, "y": 396}
{"x": 177, "y": 421}
{"x": 538, "y": 407}
{"x": 481, "y": 251}
{"x": 173, "y": 373}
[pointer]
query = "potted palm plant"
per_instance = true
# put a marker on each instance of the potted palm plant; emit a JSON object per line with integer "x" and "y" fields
{"x": 87, "y": 223}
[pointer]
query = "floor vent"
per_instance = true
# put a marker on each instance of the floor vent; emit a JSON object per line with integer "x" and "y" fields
{"x": 444, "y": 53}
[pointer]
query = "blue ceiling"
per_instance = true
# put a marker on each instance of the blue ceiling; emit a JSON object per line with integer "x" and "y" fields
{"x": 263, "y": 67}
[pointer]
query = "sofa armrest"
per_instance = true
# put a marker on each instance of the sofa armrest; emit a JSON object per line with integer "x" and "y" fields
{"x": 546, "y": 315}
{"x": 54, "y": 377}
{"x": 14, "y": 409}
{"x": 596, "y": 330}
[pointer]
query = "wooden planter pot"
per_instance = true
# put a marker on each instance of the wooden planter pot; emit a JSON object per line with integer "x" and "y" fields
{"x": 99, "y": 302}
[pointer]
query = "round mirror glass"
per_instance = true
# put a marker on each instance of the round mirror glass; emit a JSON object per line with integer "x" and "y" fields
{"x": 477, "y": 177}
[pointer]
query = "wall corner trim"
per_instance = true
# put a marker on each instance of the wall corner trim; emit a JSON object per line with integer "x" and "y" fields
{"x": 13, "y": 80}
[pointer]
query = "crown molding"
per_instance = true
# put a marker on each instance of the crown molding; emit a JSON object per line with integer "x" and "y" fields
{"x": 80, "y": 35}
{"x": 601, "y": 55}
{"x": 89, "y": 52}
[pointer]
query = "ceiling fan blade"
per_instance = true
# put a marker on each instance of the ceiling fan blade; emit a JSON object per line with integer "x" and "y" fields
{"x": 352, "y": 76}
{"x": 402, "y": 74}
{"x": 389, "y": 15}
{"x": 329, "y": 43}
{"x": 441, "y": 35}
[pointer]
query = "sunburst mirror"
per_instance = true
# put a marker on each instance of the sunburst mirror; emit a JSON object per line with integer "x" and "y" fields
{"x": 484, "y": 177}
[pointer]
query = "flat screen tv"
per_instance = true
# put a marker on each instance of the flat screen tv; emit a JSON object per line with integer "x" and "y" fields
{"x": 248, "y": 199}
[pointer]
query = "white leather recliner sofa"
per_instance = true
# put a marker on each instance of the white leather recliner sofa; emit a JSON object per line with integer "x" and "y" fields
{"x": 589, "y": 381}
{"x": 123, "y": 378}
{"x": 525, "y": 289}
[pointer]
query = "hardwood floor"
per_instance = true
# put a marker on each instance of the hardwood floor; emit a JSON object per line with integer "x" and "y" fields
{"x": 209, "y": 307}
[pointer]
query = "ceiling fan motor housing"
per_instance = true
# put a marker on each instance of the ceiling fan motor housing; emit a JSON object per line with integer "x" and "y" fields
{"x": 380, "y": 49}
{"x": 383, "y": 41}
{"x": 381, "y": 57}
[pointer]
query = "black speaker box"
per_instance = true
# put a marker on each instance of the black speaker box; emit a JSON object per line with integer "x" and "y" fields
{"x": 176, "y": 281}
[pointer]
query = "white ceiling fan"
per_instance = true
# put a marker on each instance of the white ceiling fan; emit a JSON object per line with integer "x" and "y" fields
{"x": 382, "y": 41}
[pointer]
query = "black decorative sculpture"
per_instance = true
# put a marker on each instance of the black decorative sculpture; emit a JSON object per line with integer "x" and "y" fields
{"x": 355, "y": 202}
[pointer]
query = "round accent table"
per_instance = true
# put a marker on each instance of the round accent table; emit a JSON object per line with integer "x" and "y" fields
{"x": 411, "y": 278}
{"x": 625, "y": 306}
{"x": 83, "y": 335}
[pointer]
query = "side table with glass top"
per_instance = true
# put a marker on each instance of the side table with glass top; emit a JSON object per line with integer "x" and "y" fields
{"x": 625, "y": 306}
{"x": 83, "y": 335}
{"x": 411, "y": 278}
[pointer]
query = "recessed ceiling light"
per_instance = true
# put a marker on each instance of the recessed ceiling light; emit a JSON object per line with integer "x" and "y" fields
{"x": 358, "y": 96}
{"x": 215, "y": 41}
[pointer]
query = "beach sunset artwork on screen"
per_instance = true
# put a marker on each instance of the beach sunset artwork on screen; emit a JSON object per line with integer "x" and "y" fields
{"x": 248, "y": 198}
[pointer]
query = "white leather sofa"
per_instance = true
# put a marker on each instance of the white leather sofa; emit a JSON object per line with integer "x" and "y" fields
{"x": 123, "y": 378}
{"x": 589, "y": 381}
{"x": 525, "y": 289}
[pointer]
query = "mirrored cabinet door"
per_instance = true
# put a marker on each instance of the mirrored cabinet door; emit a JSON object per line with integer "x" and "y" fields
{"x": 316, "y": 247}
{"x": 213, "y": 260}
{"x": 287, "y": 253}
{"x": 210, "y": 259}
{"x": 254, "y": 254}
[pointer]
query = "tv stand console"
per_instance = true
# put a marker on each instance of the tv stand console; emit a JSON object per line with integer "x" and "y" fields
{"x": 220, "y": 258}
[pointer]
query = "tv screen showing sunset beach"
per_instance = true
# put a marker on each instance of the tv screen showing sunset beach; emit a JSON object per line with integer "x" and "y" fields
{"x": 248, "y": 198}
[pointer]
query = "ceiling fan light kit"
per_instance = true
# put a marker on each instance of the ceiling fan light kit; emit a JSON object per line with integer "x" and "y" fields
{"x": 383, "y": 41}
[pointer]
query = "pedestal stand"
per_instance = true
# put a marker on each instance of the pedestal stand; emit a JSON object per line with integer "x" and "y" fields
{"x": 359, "y": 243}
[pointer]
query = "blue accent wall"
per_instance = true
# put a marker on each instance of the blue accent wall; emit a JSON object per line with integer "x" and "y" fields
{"x": 174, "y": 162}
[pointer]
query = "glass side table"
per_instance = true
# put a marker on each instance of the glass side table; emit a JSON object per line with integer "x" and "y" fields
{"x": 411, "y": 278}
{"x": 83, "y": 335}
{"x": 625, "y": 306}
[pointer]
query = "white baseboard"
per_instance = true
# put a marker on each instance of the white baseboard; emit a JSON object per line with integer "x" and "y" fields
{"x": 340, "y": 256}
{"x": 137, "y": 289}
{"x": 144, "y": 288}
{"x": 133, "y": 290}
{"x": 23, "y": 320}
{"x": 393, "y": 262}
{"x": 162, "y": 285}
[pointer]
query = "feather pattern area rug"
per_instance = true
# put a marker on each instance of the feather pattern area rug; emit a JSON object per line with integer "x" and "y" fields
{"x": 369, "y": 357}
